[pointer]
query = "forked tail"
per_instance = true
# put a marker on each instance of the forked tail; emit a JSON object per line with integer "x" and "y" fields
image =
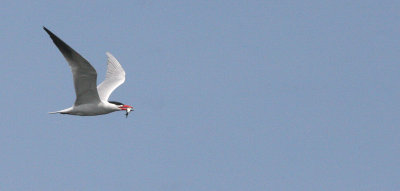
{"x": 64, "y": 111}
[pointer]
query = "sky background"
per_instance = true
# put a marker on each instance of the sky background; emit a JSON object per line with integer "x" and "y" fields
{"x": 229, "y": 95}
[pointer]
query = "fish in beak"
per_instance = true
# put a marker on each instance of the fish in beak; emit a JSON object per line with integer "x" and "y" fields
{"x": 127, "y": 108}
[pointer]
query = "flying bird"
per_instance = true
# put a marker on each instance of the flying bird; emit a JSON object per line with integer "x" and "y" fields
{"x": 91, "y": 100}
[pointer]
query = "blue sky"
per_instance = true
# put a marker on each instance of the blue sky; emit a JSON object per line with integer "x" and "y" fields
{"x": 229, "y": 95}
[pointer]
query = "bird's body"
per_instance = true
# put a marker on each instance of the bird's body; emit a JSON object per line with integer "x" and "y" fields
{"x": 90, "y": 109}
{"x": 91, "y": 99}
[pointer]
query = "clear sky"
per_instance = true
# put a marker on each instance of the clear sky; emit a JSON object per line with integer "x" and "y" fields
{"x": 229, "y": 95}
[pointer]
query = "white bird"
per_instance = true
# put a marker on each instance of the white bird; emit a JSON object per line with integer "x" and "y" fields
{"x": 91, "y": 100}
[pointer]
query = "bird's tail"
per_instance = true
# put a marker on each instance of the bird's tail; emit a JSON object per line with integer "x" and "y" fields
{"x": 64, "y": 111}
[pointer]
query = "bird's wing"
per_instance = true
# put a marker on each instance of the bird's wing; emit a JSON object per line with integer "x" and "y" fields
{"x": 115, "y": 77}
{"x": 84, "y": 74}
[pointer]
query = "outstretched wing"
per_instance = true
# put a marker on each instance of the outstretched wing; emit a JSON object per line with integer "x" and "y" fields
{"x": 115, "y": 77}
{"x": 84, "y": 74}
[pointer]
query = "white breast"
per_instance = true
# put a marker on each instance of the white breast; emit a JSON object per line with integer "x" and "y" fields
{"x": 93, "y": 109}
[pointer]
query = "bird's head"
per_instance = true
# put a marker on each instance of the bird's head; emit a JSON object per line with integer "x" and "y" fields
{"x": 122, "y": 106}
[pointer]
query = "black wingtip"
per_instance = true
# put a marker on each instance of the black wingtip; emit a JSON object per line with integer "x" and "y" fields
{"x": 48, "y": 31}
{"x": 61, "y": 45}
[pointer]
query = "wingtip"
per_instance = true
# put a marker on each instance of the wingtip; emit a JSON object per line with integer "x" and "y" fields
{"x": 44, "y": 28}
{"x": 49, "y": 32}
{"x": 110, "y": 56}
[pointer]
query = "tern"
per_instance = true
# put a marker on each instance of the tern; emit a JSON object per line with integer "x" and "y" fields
{"x": 91, "y": 100}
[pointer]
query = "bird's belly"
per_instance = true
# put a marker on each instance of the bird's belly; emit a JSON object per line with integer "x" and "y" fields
{"x": 90, "y": 110}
